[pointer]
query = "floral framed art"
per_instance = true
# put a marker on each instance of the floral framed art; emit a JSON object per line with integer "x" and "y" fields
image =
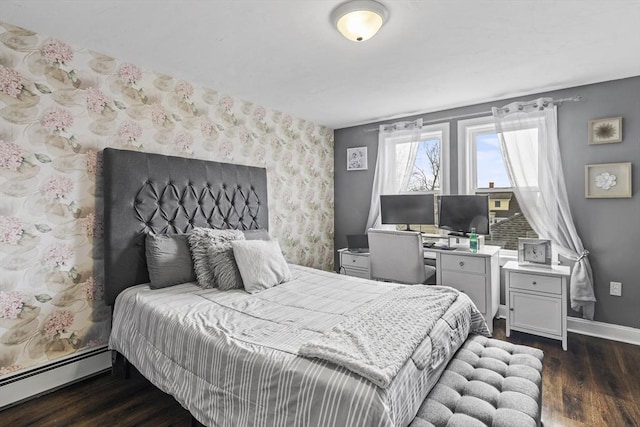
{"x": 357, "y": 159}
{"x": 605, "y": 131}
{"x": 607, "y": 180}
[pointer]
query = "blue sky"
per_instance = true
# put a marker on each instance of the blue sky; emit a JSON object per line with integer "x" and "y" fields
{"x": 490, "y": 166}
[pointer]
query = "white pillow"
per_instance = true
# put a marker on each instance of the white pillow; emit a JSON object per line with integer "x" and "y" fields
{"x": 261, "y": 264}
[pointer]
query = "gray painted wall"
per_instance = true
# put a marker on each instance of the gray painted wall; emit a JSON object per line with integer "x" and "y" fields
{"x": 610, "y": 228}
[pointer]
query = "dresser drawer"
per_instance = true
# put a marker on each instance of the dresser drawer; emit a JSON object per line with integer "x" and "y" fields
{"x": 535, "y": 282}
{"x": 463, "y": 264}
{"x": 357, "y": 272}
{"x": 351, "y": 260}
{"x": 470, "y": 284}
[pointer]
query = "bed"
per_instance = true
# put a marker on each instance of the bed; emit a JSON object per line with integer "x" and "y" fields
{"x": 287, "y": 355}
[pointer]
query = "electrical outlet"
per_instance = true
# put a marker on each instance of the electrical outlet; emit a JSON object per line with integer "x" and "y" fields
{"x": 615, "y": 288}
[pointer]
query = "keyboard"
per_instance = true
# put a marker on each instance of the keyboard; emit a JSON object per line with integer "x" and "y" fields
{"x": 359, "y": 250}
{"x": 445, "y": 248}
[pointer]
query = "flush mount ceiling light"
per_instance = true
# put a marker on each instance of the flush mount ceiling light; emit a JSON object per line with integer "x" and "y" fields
{"x": 359, "y": 20}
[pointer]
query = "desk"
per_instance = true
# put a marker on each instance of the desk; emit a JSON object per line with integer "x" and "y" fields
{"x": 476, "y": 274}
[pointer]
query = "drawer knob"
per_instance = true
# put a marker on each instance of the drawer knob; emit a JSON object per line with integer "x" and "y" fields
{"x": 534, "y": 282}
{"x": 461, "y": 263}
{"x": 511, "y": 309}
{"x": 353, "y": 260}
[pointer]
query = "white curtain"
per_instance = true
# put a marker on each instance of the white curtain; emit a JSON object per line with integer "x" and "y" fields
{"x": 528, "y": 136}
{"x": 397, "y": 149}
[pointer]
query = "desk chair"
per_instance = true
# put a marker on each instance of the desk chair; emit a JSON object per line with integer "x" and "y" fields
{"x": 398, "y": 256}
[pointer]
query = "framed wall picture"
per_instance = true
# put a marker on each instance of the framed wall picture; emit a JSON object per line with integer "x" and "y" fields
{"x": 534, "y": 252}
{"x": 607, "y": 180}
{"x": 605, "y": 131}
{"x": 357, "y": 159}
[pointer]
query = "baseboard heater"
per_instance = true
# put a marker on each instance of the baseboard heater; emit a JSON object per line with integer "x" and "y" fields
{"x": 35, "y": 382}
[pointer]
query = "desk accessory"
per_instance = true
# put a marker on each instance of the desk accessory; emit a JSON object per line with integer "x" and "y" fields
{"x": 534, "y": 252}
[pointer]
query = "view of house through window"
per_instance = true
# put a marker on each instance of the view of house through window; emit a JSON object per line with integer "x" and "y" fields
{"x": 485, "y": 173}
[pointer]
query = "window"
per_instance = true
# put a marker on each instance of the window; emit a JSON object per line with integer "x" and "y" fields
{"x": 427, "y": 168}
{"x": 425, "y": 175}
{"x": 488, "y": 165}
{"x": 424, "y": 166}
{"x": 481, "y": 170}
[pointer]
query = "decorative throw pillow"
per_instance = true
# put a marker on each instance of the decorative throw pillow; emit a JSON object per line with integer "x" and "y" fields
{"x": 204, "y": 242}
{"x": 261, "y": 264}
{"x": 225, "y": 271}
{"x": 256, "y": 234}
{"x": 168, "y": 260}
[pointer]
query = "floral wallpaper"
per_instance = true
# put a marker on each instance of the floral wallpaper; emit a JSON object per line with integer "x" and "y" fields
{"x": 59, "y": 107}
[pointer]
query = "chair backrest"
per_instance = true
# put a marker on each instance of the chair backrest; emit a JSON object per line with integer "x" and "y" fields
{"x": 396, "y": 256}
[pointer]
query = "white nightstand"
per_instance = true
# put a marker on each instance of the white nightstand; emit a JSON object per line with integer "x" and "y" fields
{"x": 354, "y": 263}
{"x": 536, "y": 299}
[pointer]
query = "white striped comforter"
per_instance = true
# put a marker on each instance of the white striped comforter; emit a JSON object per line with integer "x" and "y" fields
{"x": 231, "y": 358}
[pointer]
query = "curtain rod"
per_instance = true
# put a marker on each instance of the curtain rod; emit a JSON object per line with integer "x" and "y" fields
{"x": 576, "y": 98}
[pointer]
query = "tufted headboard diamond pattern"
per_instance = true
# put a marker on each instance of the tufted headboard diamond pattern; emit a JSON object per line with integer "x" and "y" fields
{"x": 163, "y": 194}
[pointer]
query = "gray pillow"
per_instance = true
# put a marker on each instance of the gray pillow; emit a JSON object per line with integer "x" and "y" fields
{"x": 168, "y": 260}
{"x": 204, "y": 242}
{"x": 225, "y": 271}
{"x": 257, "y": 234}
{"x": 261, "y": 264}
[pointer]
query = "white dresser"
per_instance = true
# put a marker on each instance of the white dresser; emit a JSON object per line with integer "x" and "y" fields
{"x": 354, "y": 263}
{"x": 476, "y": 274}
{"x": 536, "y": 299}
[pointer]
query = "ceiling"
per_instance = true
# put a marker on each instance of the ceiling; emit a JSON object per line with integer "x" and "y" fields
{"x": 431, "y": 55}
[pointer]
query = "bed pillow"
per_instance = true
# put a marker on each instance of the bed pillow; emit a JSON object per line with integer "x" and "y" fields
{"x": 168, "y": 260}
{"x": 257, "y": 234}
{"x": 225, "y": 271}
{"x": 261, "y": 264}
{"x": 204, "y": 243}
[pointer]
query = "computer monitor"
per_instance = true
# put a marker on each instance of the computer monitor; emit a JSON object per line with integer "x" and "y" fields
{"x": 407, "y": 209}
{"x": 461, "y": 213}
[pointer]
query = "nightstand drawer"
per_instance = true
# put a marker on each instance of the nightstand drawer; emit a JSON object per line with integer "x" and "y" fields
{"x": 535, "y": 282}
{"x": 463, "y": 264}
{"x": 351, "y": 260}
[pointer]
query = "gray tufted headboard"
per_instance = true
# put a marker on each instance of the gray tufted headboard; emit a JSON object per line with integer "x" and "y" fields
{"x": 151, "y": 192}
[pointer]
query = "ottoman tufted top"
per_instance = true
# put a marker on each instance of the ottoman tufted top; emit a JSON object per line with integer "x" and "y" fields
{"x": 488, "y": 383}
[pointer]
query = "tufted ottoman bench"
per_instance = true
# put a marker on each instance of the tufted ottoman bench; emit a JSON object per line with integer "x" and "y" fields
{"x": 487, "y": 383}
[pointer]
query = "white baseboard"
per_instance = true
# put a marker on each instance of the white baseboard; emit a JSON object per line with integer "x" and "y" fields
{"x": 592, "y": 328}
{"x": 607, "y": 331}
{"x": 43, "y": 379}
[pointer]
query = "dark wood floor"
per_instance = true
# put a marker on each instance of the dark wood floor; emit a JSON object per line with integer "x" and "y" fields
{"x": 595, "y": 383}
